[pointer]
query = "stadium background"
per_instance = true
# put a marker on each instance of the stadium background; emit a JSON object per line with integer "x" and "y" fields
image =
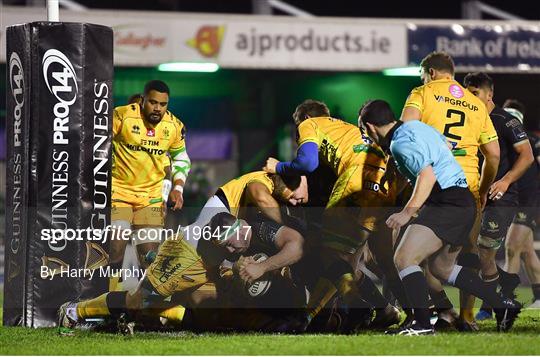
{"x": 246, "y": 113}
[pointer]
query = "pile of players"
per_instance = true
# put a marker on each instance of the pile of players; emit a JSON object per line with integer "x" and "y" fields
{"x": 290, "y": 248}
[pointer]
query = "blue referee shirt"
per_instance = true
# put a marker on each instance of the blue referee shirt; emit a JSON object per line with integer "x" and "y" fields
{"x": 415, "y": 145}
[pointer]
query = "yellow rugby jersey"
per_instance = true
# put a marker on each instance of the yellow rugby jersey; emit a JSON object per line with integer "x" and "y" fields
{"x": 140, "y": 149}
{"x": 341, "y": 145}
{"x": 457, "y": 114}
{"x": 234, "y": 189}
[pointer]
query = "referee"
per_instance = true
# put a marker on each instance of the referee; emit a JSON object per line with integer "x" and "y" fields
{"x": 446, "y": 211}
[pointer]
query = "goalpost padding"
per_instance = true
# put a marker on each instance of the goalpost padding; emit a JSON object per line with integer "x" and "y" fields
{"x": 59, "y": 129}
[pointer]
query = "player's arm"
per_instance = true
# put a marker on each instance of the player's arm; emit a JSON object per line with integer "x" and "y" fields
{"x": 290, "y": 244}
{"x": 410, "y": 113}
{"x": 422, "y": 189}
{"x": 414, "y": 106}
{"x": 306, "y": 161}
{"x": 180, "y": 166}
{"x": 514, "y": 133}
{"x": 524, "y": 160}
{"x": 259, "y": 195}
{"x": 492, "y": 155}
{"x": 415, "y": 160}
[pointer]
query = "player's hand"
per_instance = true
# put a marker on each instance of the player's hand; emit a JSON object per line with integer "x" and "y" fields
{"x": 176, "y": 197}
{"x": 270, "y": 166}
{"x": 498, "y": 189}
{"x": 398, "y": 220}
{"x": 251, "y": 272}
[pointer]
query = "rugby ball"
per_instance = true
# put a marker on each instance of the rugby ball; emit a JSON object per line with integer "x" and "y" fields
{"x": 259, "y": 287}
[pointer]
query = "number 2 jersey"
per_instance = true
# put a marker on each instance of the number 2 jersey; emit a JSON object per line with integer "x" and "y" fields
{"x": 140, "y": 150}
{"x": 460, "y": 116}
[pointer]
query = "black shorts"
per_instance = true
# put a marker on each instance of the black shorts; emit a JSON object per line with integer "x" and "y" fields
{"x": 527, "y": 211}
{"x": 450, "y": 214}
{"x": 498, "y": 216}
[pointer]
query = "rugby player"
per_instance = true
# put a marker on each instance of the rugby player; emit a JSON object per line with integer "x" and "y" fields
{"x": 520, "y": 237}
{"x": 445, "y": 209}
{"x": 359, "y": 167}
{"x": 463, "y": 119}
{"x": 190, "y": 261}
{"x": 516, "y": 157}
{"x": 145, "y": 134}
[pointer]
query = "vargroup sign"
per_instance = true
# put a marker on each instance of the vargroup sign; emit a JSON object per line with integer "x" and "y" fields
{"x": 151, "y": 38}
{"x": 493, "y": 46}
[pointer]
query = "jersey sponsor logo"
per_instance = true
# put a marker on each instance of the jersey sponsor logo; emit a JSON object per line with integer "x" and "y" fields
{"x": 16, "y": 80}
{"x": 330, "y": 152}
{"x": 61, "y": 80}
{"x": 452, "y": 101}
{"x": 493, "y": 226}
{"x": 148, "y": 150}
{"x": 207, "y": 40}
{"x": 166, "y": 269}
{"x": 371, "y": 186}
{"x": 135, "y": 129}
{"x": 151, "y": 132}
{"x": 456, "y": 91}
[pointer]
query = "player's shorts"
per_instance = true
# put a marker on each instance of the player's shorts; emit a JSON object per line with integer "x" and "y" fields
{"x": 450, "y": 214}
{"x": 356, "y": 202}
{"x": 496, "y": 220}
{"x": 177, "y": 268}
{"x": 475, "y": 231}
{"x": 529, "y": 203}
{"x": 137, "y": 209}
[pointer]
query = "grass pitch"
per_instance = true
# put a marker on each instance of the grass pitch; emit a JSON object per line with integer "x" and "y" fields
{"x": 524, "y": 339}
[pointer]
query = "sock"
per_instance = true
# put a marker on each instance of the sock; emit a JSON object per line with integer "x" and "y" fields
{"x": 508, "y": 282}
{"x": 440, "y": 300}
{"x": 173, "y": 314}
{"x": 492, "y": 281}
{"x": 96, "y": 307}
{"x": 371, "y": 293}
{"x": 536, "y": 291}
{"x": 467, "y": 280}
{"x": 396, "y": 286}
{"x": 114, "y": 282}
{"x": 322, "y": 293}
{"x": 116, "y": 303}
{"x": 417, "y": 290}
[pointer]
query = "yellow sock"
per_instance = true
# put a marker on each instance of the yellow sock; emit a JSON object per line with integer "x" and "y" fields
{"x": 115, "y": 284}
{"x": 322, "y": 293}
{"x": 346, "y": 285}
{"x": 174, "y": 314}
{"x": 96, "y": 307}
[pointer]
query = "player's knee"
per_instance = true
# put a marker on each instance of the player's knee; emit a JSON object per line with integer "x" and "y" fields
{"x": 489, "y": 243}
{"x": 514, "y": 247}
{"x": 147, "y": 235}
{"x": 121, "y": 224}
{"x": 440, "y": 271}
{"x": 403, "y": 260}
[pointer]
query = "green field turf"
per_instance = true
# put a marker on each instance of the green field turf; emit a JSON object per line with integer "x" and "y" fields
{"x": 524, "y": 339}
